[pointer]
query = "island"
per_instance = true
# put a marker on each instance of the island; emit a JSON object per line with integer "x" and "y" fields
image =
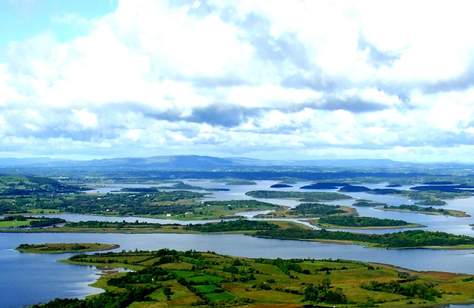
{"x": 299, "y": 195}
{"x": 227, "y": 226}
{"x": 170, "y": 278}
{"x": 398, "y": 240}
{"x": 309, "y": 210}
{"x": 280, "y": 185}
{"x": 367, "y": 203}
{"x": 359, "y": 222}
{"x": 55, "y": 248}
{"x": 423, "y": 210}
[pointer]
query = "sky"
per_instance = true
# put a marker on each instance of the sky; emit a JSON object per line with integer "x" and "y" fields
{"x": 279, "y": 79}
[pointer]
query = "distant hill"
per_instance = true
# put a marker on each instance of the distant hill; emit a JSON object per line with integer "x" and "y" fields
{"x": 209, "y": 163}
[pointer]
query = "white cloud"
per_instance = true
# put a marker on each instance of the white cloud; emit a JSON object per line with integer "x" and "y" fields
{"x": 85, "y": 119}
{"x": 216, "y": 76}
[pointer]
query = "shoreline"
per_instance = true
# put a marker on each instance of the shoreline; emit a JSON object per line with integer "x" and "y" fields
{"x": 453, "y": 213}
{"x": 372, "y": 245}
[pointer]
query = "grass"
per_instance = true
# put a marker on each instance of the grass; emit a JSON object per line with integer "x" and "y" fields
{"x": 14, "y": 223}
{"x": 268, "y": 283}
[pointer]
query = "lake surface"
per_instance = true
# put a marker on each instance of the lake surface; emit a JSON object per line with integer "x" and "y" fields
{"x": 31, "y": 278}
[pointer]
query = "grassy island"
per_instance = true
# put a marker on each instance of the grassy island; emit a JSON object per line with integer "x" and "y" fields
{"x": 169, "y": 278}
{"x": 65, "y": 247}
{"x": 398, "y": 240}
{"x": 357, "y": 222}
{"x": 424, "y": 210}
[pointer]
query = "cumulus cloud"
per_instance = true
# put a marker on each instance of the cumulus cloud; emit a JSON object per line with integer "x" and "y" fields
{"x": 297, "y": 78}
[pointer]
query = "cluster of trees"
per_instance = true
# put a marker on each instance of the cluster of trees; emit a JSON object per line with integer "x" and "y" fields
{"x": 406, "y": 239}
{"x": 233, "y": 225}
{"x": 323, "y": 293}
{"x": 316, "y": 209}
{"x": 416, "y": 208}
{"x": 110, "y": 224}
{"x": 367, "y": 203}
{"x": 422, "y": 290}
{"x": 107, "y": 299}
{"x": 358, "y": 221}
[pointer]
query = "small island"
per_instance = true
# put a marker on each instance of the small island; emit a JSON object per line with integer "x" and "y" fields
{"x": 299, "y": 195}
{"x": 358, "y": 222}
{"x": 367, "y": 203}
{"x": 54, "y": 248}
{"x": 423, "y": 210}
{"x": 398, "y": 240}
{"x": 281, "y": 185}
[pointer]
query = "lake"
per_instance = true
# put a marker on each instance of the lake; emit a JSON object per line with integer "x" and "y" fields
{"x": 31, "y": 278}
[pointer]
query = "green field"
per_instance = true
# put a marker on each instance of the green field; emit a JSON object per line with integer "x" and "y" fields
{"x": 169, "y": 278}
{"x": 14, "y": 223}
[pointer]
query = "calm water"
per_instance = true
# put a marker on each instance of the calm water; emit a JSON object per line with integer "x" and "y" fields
{"x": 32, "y": 278}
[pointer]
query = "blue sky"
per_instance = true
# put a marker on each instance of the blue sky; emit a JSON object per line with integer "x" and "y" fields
{"x": 289, "y": 79}
{"x": 23, "y": 19}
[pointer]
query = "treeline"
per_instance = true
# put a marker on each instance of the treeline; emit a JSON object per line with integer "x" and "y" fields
{"x": 406, "y": 239}
{"x": 303, "y": 196}
{"x": 416, "y": 208}
{"x": 233, "y": 225}
{"x": 357, "y": 221}
{"x": 113, "y": 224}
{"x": 422, "y": 290}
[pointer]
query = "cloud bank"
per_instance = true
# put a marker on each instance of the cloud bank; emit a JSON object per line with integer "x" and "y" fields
{"x": 274, "y": 79}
